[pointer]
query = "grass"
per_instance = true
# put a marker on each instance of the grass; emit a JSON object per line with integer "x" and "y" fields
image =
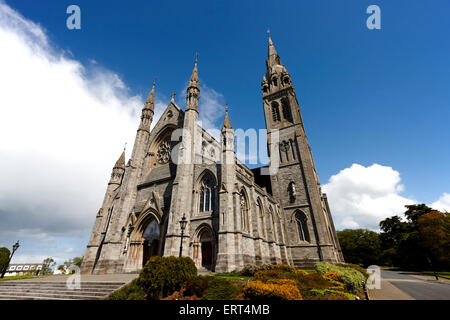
{"x": 442, "y": 274}
{"x": 233, "y": 276}
{"x": 23, "y": 277}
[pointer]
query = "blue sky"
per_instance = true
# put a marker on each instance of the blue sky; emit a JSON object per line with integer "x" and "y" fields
{"x": 367, "y": 96}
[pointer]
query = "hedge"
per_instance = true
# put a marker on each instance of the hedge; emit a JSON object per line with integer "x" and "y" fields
{"x": 352, "y": 278}
{"x": 162, "y": 276}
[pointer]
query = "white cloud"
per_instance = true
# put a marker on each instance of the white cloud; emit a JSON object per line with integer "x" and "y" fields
{"x": 360, "y": 197}
{"x": 443, "y": 204}
{"x": 62, "y": 127}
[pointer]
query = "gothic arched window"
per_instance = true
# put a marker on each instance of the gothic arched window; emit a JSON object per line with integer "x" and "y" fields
{"x": 275, "y": 112}
{"x": 286, "y": 110}
{"x": 261, "y": 219}
{"x": 244, "y": 212}
{"x": 273, "y": 226}
{"x": 302, "y": 227}
{"x": 207, "y": 195}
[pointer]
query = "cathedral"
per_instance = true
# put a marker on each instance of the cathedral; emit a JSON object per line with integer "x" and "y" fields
{"x": 183, "y": 192}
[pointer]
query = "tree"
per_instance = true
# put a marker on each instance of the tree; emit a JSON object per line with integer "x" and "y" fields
{"x": 77, "y": 261}
{"x": 47, "y": 265}
{"x": 392, "y": 230}
{"x": 360, "y": 246}
{"x": 4, "y": 258}
{"x": 409, "y": 244}
{"x": 434, "y": 231}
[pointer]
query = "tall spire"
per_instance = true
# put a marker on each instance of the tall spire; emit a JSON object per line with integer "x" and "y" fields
{"x": 193, "y": 90}
{"x": 272, "y": 55}
{"x": 193, "y": 82}
{"x": 148, "y": 110}
{"x": 226, "y": 120}
{"x": 150, "y": 102}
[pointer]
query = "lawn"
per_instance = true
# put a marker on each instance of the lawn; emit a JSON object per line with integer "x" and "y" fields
{"x": 442, "y": 274}
{"x": 23, "y": 277}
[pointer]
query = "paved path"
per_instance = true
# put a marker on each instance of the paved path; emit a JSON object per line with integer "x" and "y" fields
{"x": 400, "y": 285}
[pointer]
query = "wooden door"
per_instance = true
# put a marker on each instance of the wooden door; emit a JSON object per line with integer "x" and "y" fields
{"x": 206, "y": 254}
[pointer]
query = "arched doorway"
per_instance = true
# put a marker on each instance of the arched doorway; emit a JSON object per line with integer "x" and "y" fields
{"x": 204, "y": 248}
{"x": 151, "y": 242}
{"x": 207, "y": 249}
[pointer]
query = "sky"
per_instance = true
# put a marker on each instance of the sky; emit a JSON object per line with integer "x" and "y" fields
{"x": 375, "y": 103}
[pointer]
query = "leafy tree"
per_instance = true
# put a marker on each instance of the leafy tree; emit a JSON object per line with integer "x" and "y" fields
{"x": 47, "y": 265}
{"x": 434, "y": 230}
{"x": 78, "y": 261}
{"x": 74, "y": 261}
{"x": 360, "y": 246}
{"x": 392, "y": 231}
{"x": 4, "y": 258}
{"x": 409, "y": 244}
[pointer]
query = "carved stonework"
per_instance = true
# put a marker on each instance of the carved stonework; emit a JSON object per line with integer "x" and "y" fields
{"x": 163, "y": 153}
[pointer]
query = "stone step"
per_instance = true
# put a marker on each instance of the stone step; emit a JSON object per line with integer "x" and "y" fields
{"x": 55, "y": 288}
{"x": 63, "y": 286}
{"x": 17, "y": 282}
{"x": 35, "y": 296}
{"x": 97, "y": 292}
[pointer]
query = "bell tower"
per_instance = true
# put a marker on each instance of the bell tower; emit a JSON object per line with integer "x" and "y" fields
{"x": 310, "y": 230}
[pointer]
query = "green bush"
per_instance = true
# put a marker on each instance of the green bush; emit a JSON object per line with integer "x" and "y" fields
{"x": 333, "y": 293}
{"x": 354, "y": 266}
{"x": 4, "y": 257}
{"x": 264, "y": 275}
{"x": 131, "y": 291}
{"x": 249, "y": 270}
{"x": 220, "y": 289}
{"x": 196, "y": 286}
{"x": 352, "y": 278}
{"x": 162, "y": 276}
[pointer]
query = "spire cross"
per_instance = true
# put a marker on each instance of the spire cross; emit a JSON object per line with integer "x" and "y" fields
{"x": 196, "y": 56}
{"x": 125, "y": 147}
{"x": 226, "y": 107}
{"x": 154, "y": 81}
{"x": 268, "y": 32}
{"x": 173, "y": 95}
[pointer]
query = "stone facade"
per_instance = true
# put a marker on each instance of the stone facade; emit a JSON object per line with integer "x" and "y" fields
{"x": 235, "y": 215}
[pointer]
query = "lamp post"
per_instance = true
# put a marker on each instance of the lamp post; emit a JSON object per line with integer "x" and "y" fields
{"x": 183, "y": 223}
{"x": 15, "y": 247}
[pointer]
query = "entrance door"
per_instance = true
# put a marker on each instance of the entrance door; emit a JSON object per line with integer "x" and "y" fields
{"x": 207, "y": 255}
{"x": 150, "y": 249}
{"x": 151, "y": 242}
{"x": 146, "y": 253}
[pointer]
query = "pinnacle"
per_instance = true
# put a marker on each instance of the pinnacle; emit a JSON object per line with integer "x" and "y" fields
{"x": 226, "y": 121}
{"x": 120, "y": 163}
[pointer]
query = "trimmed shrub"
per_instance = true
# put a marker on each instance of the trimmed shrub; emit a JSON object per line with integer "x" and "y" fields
{"x": 258, "y": 290}
{"x": 220, "y": 289}
{"x": 352, "y": 278}
{"x": 162, "y": 276}
{"x": 131, "y": 291}
{"x": 197, "y": 286}
{"x": 284, "y": 267}
{"x": 312, "y": 281}
{"x": 4, "y": 258}
{"x": 334, "y": 293}
{"x": 265, "y": 275}
{"x": 354, "y": 266}
{"x": 333, "y": 276}
{"x": 301, "y": 273}
{"x": 249, "y": 270}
